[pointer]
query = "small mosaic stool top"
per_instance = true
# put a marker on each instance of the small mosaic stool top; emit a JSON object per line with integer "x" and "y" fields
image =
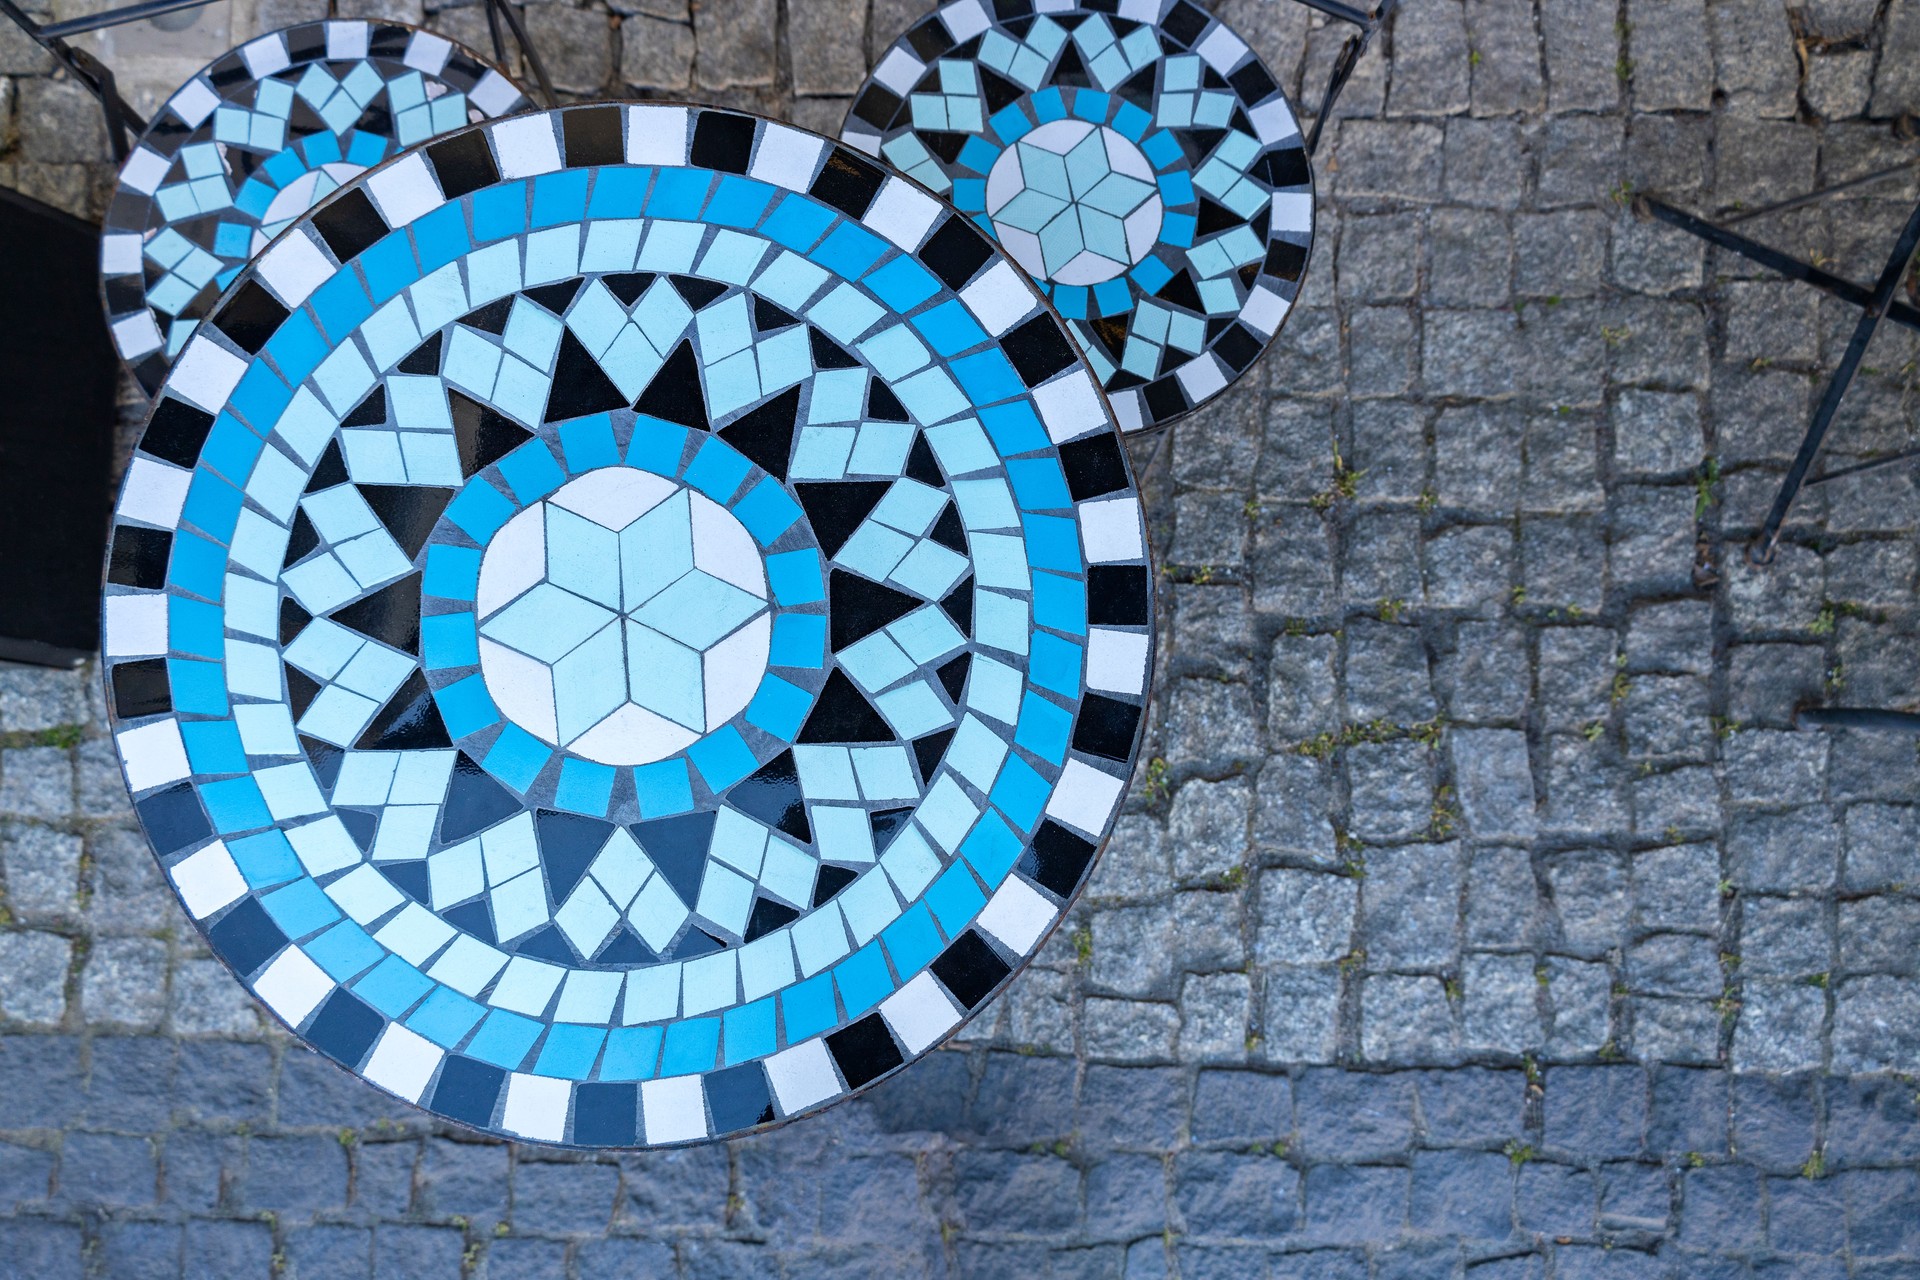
{"x": 628, "y": 624}
{"x": 251, "y": 143}
{"x": 1138, "y": 160}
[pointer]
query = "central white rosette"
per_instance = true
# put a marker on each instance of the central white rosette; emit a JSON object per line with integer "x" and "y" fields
{"x": 622, "y": 617}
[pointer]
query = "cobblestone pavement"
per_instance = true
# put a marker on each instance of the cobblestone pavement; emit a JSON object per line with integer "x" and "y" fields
{"x": 1479, "y": 911}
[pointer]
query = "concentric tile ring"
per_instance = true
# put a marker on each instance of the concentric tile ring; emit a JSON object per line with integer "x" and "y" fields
{"x": 1137, "y": 158}
{"x": 599, "y": 310}
{"x": 252, "y": 142}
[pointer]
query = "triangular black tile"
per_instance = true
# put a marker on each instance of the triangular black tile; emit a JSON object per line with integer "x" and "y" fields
{"x": 767, "y": 916}
{"x": 767, "y": 317}
{"x": 696, "y": 291}
{"x": 827, "y": 354}
{"x": 580, "y": 385}
{"x": 922, "y": 465}
{"x": 548, "y": 944}
{"x": 410, "y": 878}
{"x": 331, "y": 471}
{"x": 361, "y": 825}
{"x": 959, "y": 606}
{"x": 424, "y": 358}
{"x": 304, "y": 540}
{"x": 555, "y": 297}
{"x": 491, "y": 318}
{"x": 842, "y": 714}
{"x": 325, "y": 759}
{"x": 628, "y": 286}
{"x": 625, "y": 949}
{"x": 568, "y": 843}
{"x": 883, "y": 405}
{"x": 1071, "y": 69}
{"x": 678, "y": 846}
{"x": 372, "y": 411}
{"x": 472, "y": 917}
{"x": 772, "y": 794}
{"x": 948, "y": 531}
{"x": 390, "y": 615}
{"x": 927, "y": 752}
{"x": 696, "y": 942}
{"x": 835, "y": 508}
{"x": 483, "y": 434}
{"x": 292, "y": 619}
{"x": 1198, "y": 143}
{"x": 409, "y": 722}
{"x": 1182, "y": 292}
{"x": 859, "y": 607}
{"x": 765, "y": 435}
{"x": 409, "y": 513}
{"x": 474, "y": 801}
{"x": 1214, "y": 218}
{"x": 301, "y": 691}
{"x": 953, "y": 676}
{"x": 1000, "y": 91}
{"x": 886, "y": 825}
{"x": 832, "y": 880}
{"x": 1139, "y": 89}
{"x": 674, "y": 394}
{"x": 1111, "y": 333}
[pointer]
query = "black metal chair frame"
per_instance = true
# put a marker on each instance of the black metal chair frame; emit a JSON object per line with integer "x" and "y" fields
{"x": 1369, "y": 24}
{"x": 123, "y": 122}
{"x": 1876, "y": 305}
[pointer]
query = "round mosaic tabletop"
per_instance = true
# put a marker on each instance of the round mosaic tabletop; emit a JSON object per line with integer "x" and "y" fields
{"x": 628, "y": 624}
{"x": 250, "y": 144}
{"x": 1139, "y": 161}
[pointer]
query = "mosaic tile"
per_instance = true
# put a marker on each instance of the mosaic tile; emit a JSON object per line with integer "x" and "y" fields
{"x": 1137, "y": 159}
{"x": 629, "y": 781}
{"x": 251, "y": 143}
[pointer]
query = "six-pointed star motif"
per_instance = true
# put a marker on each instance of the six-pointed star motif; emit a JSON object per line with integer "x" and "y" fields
{"x": 1074, "y": 202}
{"x": 622, "y": 617}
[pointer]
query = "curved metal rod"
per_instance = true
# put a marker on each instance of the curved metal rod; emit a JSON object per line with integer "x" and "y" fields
{"x": 1856, "y": 718}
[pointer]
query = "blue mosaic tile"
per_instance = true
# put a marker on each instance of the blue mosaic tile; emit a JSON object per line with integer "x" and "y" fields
{"x": 534, "y": 720}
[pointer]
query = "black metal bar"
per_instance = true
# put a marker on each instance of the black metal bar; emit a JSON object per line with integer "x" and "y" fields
{"x": 527, "y": 50}
{"x": 493, "y": 30}
{"x": 1874, "y": 464}
{"x": 95, "y": 78}
{"x": 1761, "y": 552}
{"x": 1344, "y": 12}
{"x": 1801, "y": 202}
{"x": 1856, "y": 718}
{"x": 117, "y": 17}
{"x": 1772, "y": 259}
{"x": 1349, "y": 58}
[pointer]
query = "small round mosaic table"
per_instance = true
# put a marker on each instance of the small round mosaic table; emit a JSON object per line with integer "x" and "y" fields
{"x": 1137, "y": 159}
{"x": 628, "y": 624}
{"x": 252, "y": 142}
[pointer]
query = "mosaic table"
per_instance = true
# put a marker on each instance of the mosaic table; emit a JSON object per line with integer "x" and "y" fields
{"x": 250, "y": 143}
{"x": 1142, "y": 164}
{"x": 628, "y": 624}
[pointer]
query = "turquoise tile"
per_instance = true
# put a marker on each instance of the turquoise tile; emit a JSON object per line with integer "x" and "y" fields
{"x": 213, "y": 746}
{"x": 679, "y": 194}
{"x": 663, "y": 788}
{"x": 949, "y": 328}
{"x": 199, "y": 688}
{"x": 466, "y": 706}
{"x": 448, "y": 640}
{"x": 619, "y": 192}
{"x": 1055, "y": 664}
{"x": 1039, "y": 484}
{"x": 717, "y": 470}
{"x": 195, "y": 628}
{"x": 340, "y": 305}
{"x": 265, "y": 859}
{"x": 517, "y": 757}
{"x": 344, "y": 950}
{"x": 723, "y": 758}
{"x": 656, "y": 446}
{"x": 584, "y": 786}
{"x": 300, "y": 908}
{"x": 297, "y": 347}
{"x": 503, "y": 1039}
{"x": 1044, "y": 728}
{"x": 570, "y": 1051}
{"x": 807, "y": 1008}
{"x": 1053, "y": 542}
{"x": 440, "y": 237}
{"x": 388, "y": 265}
{"x": 1020, "y": 793}
{"x": 445, "y": 1017}
{"x": 588, "y": 443}
{"x": 1015, "y": 427}
{"x": 799, "y": 640}
{"x": 393, "y": 987}
{"x": 778, "y": 707}
{"x": 795, "y": 577}
{"x": 903, "y": 284}
{"x": 631, "y": 1053}
{"x": 863, "y": 979}
{"x": 768, "y": 511}
{"x": 212, "y": 504}
{"x": 848, "y": 251}
{"x": 453, "y": 573}
{"x": 692, "y": 1045}
{"x": 499, "y": 211}
{"x": 747, "y": 1032}
{"x": 955, "y": 899}
{"x": 197, "y": 565}
{"x": 912, "y": 941}
{"x": 532, "y": 472}
{"x": 559, "y": 197}
{"x": 987, "y": 377}
{"x": 738, "y": 202}
{"x": 480, "y": 510}
{"x": 1060, "y": 603}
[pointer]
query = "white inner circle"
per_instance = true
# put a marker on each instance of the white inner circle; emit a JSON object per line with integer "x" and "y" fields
{"x": 622, "y": 617}
{"x": 1074, "y": 202}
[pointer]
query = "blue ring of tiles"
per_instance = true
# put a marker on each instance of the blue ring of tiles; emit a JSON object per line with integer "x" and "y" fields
{"x": 628, "y": 304}
{"x": 543, "y": 774}
{"x": 1137, "y": 158}
{"x": 255, "y": 139}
